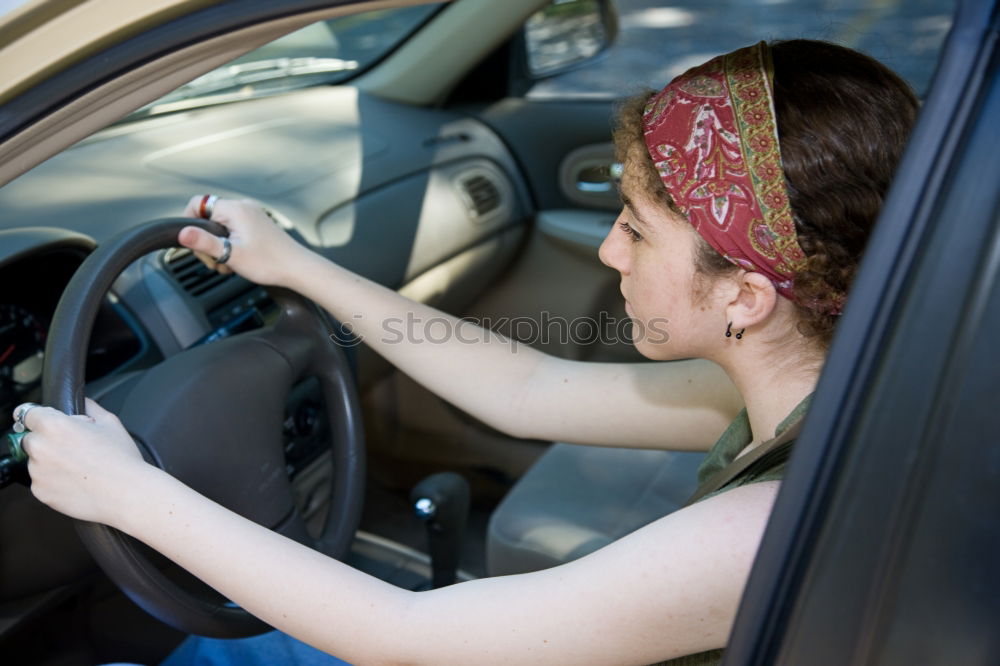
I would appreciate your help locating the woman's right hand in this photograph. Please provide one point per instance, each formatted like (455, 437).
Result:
(261, 250)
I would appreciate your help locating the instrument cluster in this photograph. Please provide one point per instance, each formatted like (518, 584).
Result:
(30, 289)
(22, 350)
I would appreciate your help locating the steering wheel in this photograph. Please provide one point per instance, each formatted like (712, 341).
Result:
(212, 417)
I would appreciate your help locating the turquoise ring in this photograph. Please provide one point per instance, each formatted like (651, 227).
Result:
(14, 448)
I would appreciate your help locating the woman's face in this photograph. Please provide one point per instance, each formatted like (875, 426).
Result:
(653, 249)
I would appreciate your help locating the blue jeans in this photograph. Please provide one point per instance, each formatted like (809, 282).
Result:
(271, 649)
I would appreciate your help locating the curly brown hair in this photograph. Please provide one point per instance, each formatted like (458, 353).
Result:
(843, 120)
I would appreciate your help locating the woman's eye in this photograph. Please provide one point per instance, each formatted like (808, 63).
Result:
(632, 233)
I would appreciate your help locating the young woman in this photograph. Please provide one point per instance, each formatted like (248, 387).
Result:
(747, 253)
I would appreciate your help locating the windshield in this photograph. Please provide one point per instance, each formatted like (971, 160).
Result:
(326, 52)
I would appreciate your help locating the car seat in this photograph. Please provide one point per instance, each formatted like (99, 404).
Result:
(577, 499)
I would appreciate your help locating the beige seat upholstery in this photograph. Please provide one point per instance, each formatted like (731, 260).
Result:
(576, 499)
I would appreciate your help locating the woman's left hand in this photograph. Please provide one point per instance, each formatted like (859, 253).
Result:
(83, 466)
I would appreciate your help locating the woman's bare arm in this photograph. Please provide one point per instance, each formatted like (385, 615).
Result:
(520, 390)
(507, 385)
(671, 588)
(681, 405)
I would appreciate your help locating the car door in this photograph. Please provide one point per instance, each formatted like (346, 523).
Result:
(884, 538)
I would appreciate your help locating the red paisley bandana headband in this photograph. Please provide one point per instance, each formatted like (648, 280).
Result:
(714, 140)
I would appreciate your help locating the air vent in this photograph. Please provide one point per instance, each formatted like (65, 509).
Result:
(483, 194)
(192, 275)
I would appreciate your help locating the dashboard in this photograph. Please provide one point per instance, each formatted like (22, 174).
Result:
(428, 201)
(386, 190)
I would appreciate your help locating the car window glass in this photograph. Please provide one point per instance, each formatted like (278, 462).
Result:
(8, 6)
(326, 52)
(657, 41)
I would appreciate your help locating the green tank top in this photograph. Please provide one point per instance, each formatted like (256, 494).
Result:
(736, 438)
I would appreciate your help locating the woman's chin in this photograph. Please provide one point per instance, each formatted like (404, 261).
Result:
(655, 351)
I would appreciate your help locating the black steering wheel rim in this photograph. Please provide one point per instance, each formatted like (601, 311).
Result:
(119, 555)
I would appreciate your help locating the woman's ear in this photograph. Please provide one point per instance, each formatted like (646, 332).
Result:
(754, 302)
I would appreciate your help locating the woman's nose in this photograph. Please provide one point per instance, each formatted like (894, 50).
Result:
(612, 250)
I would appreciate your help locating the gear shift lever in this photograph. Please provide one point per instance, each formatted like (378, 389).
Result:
(442, 502)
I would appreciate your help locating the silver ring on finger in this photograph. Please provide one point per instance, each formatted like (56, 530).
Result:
(22, 411)
(227, 250)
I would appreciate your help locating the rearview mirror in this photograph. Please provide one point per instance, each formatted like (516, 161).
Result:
(567, 33)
